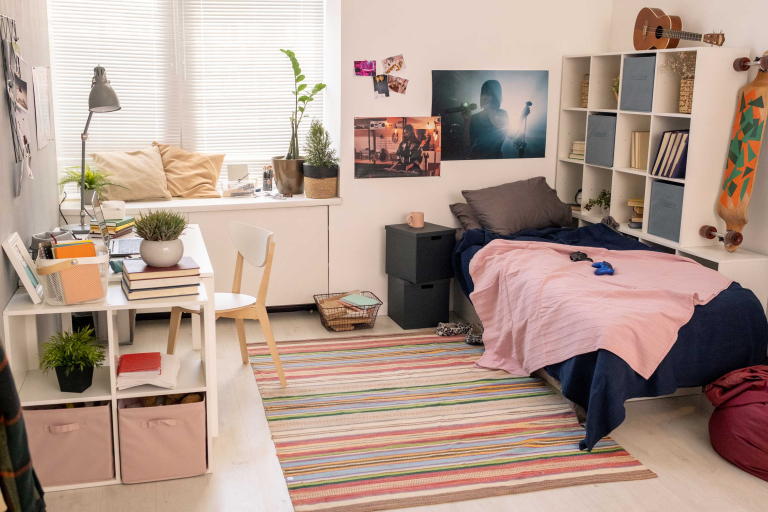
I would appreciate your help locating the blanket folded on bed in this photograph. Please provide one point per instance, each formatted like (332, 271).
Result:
(539, 308)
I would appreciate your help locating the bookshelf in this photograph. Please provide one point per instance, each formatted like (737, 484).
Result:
(714, 100)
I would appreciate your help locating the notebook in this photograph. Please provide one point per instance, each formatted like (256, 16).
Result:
(358, 300)
(158, 293)
(136, 270)
(80, 283)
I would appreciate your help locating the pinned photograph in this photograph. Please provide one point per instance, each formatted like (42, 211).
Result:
(491, 114)
(397, 147)
(20, 89)
(397, 84)
(22, 131)
(393, 64)
(380, 87)
(365, 67)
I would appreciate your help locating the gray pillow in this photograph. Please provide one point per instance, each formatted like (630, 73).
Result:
(512, 207)
(463, 212)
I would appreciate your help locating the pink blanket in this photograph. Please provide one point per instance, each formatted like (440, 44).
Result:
(540, 308)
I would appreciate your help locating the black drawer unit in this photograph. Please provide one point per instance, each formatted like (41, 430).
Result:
(420, 255)
(415, 306)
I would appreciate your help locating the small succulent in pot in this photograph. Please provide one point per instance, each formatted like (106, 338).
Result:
(160, 231)
(321, 166)
(73, 355)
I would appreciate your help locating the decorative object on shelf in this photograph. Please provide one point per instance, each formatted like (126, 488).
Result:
(615, 88)
(160, 232)
(73, 272)
(603, 200)
(93, 179)
(656, 30)
(577, 197)
(683, 64)
(418, 154)
(415, 219)
(585, 91)
(24, 266)
(289, 176)
(321, 166)
(267, 177)
(73, 355)
(577, 150)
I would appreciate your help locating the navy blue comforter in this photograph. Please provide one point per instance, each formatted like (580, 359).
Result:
(728, 333)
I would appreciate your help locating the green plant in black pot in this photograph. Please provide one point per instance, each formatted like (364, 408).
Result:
(321, 165)
(160, 231)
(73, 355)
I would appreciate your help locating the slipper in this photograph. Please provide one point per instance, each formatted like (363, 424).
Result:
(451, 329)
(475, 335)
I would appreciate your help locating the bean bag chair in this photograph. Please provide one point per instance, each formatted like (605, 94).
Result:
(738, 429)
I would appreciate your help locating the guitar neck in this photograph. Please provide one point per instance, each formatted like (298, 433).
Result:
(681, 34)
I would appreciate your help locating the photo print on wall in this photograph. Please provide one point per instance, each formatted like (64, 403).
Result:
(380, 87)
(397, 147)
(365, 67)
(395, 64)
(491, 114)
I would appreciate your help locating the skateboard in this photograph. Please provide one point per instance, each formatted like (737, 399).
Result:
(743, 153)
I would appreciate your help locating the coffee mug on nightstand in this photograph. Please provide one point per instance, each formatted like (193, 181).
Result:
(415, 219)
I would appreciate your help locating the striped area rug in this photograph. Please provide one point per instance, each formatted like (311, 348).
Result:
(383, 422)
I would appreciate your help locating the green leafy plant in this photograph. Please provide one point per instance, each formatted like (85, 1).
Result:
(161, 225)
(603, 200)
(301, 100)
(72, 351)
(615, 86)
(318, 149)
(94, 179)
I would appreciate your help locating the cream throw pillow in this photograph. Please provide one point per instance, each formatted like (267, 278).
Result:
(190, 174)
(140, 172)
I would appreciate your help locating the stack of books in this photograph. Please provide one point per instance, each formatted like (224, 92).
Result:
(638, 206)
(140, 281)
(115, 227)
(639, 150)
(577, 150)
(672, 156)
(151, 368)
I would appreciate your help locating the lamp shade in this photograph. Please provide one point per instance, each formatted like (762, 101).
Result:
(102, 97)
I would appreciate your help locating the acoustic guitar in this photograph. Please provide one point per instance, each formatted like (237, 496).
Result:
(655, 30)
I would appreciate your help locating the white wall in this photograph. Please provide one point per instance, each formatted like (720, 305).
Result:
(451, 34)
(743, 22)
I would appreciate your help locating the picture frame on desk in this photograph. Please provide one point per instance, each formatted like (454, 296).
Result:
(24, 266)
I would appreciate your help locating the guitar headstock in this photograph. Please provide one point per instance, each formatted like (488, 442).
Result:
(713, 38)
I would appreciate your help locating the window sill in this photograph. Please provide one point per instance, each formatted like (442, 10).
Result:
(72, 207)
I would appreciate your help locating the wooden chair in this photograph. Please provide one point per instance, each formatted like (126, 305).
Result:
(255, 246)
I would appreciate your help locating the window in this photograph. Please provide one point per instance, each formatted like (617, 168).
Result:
(206, 75)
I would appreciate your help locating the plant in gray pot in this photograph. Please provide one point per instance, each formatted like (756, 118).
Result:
(73, 355)
(160, 232)
(321, 166)
(289, 175)
(95, 181)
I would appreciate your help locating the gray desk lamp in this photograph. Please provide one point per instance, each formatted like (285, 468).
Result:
(101, 99)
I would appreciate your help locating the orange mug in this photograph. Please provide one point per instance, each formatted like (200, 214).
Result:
(415, 219)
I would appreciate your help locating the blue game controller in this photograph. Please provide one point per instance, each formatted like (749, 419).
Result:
(603, 268)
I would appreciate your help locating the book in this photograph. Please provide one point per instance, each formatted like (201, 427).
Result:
(158, 293)
(636, 202)
(636, 225)
(358, 300)
(638, 210)
(671, 152)
(141, 362)
(636, 219)
(166, 282)
(665, 161)
(74, 249)
(574, 156)
(115, 223)
(639, 150)
(166, 378)
(678, 166)
(136, 269)
(662, 151)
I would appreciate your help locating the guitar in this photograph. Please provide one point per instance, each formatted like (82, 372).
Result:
(656, 30)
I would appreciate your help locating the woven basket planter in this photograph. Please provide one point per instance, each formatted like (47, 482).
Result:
(585, 91)
(686, 95)
(320, 182)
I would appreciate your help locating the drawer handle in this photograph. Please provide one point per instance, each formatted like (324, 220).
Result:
(62, 429)
(437, 237)
(427, 286)
(156, 423)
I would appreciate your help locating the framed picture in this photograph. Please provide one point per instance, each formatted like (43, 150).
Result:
(24, 266)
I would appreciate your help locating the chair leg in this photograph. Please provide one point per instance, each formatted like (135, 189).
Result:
(240, 324)
(267, 328)
(173, 331)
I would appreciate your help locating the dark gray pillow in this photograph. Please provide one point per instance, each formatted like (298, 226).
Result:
(512, 207)
(463, 212)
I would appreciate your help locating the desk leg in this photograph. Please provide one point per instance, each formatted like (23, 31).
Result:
(208, 355)
(196, 333)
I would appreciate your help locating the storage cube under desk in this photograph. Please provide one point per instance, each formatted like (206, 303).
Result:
(415, 306)
(419, 255)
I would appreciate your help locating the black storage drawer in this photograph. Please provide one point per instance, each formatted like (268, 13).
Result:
(420, 255)
(415, 306)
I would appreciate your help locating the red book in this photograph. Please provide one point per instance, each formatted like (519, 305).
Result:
(143, 362)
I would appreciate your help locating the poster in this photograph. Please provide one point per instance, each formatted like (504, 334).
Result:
(43, 102)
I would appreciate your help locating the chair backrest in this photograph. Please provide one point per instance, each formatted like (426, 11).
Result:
(251, 242)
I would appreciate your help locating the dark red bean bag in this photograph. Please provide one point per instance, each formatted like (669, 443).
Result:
(738, 428)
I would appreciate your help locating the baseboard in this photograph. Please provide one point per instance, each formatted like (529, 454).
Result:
(166, 315)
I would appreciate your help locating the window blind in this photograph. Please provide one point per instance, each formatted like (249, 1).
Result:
(206, 75)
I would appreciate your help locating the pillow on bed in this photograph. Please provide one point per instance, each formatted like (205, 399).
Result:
(512, 207)
(463, 212)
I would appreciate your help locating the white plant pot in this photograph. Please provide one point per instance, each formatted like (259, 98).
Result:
(161, 254)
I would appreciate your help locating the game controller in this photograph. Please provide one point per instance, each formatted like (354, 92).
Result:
(580, 256)
(603, 268)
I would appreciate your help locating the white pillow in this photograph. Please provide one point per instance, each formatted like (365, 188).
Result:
(140, 173)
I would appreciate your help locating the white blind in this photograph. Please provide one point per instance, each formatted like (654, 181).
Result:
(203, 74)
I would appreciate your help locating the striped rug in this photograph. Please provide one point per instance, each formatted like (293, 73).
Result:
(383, 422)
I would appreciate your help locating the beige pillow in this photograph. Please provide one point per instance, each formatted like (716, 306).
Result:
(190, 174)
(139, 172)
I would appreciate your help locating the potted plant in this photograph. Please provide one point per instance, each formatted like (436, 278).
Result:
(615, 88)
(95, 181)
(321, 165)
(603, 200)
(160, 232)
(289, 177)
(684, 64)
(73, 355)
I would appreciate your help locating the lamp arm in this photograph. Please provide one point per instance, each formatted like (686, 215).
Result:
(83, 137)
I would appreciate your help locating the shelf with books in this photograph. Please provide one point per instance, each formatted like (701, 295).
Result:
(626, 187)
(632, 142)
(573, 128)
(191, 379)
(667, 157)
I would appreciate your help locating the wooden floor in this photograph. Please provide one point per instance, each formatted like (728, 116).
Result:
(668, 435)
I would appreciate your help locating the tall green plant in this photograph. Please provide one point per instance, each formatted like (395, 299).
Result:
(71, 351)
(301, 99)
(317, 150)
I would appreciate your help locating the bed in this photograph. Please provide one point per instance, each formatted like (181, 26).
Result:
(729, 332)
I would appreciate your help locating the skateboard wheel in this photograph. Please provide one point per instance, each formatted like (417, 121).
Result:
(733, 238)
(764, 63)
(708, 232)
(741, 64)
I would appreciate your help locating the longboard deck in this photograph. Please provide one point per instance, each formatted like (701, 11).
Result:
(743, 153)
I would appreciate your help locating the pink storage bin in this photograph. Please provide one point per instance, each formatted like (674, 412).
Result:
(71, 446)
(160, 443)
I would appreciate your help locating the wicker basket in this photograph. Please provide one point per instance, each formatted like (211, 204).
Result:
(686, 95)
(75, 280)
(336, 317)
(585, 91)
(320, 188)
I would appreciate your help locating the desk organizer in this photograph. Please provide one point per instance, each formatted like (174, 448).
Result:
(75, 280)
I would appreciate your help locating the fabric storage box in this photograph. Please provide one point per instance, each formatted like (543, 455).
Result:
(637, 83)
(414, 306)
(601, 134)
(160, 443)
(666, 210)
(419, 255)
(71, 446)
